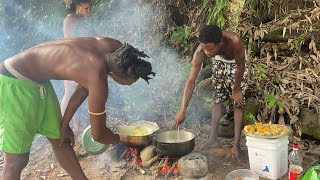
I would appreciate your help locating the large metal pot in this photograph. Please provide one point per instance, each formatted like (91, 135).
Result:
(126, 137)
(168, 143)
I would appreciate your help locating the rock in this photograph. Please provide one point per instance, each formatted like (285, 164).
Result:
(203, 99)
(226, 128)
(310, 122)
(204, 74)
(193, 165)
(148, 153)
(209, 176)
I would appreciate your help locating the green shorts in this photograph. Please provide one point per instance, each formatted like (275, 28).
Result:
(26, 109)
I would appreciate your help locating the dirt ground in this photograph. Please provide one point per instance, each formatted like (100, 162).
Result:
(43, 165)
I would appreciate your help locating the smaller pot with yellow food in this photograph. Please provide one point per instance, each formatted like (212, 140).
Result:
(267, 130)
(137, 134)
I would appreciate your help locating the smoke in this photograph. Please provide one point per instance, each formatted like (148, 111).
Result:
(141, 24)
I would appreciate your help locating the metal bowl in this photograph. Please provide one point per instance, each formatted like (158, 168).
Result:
(270, 137)
(245, 174)
(168, 143)
(91, 146)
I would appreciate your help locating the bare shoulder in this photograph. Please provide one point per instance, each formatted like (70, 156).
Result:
(110, 44)
(71, 18)
(235, 39)
(199, 56)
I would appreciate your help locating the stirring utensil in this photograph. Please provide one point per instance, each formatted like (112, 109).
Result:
(178, 133)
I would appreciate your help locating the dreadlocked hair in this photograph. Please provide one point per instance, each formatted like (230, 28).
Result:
(129, 62)
(210, 34)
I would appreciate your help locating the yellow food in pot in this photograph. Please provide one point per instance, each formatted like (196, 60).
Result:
(266, 129)
(139, 132)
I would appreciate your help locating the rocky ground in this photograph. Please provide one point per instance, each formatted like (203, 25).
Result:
(43, 165)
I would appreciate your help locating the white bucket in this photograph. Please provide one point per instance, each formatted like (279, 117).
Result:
(268, 157)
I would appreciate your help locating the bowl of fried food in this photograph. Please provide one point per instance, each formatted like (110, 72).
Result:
(242, 174)
(267, 130)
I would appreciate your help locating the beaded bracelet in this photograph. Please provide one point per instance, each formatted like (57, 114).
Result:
(96, 114)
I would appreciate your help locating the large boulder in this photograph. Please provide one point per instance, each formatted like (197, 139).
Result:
(203, 98)
(310, 122)
(193, 165)
(204, 73)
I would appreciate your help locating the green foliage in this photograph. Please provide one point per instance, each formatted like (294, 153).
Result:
(216, 10)
(278, 80)
(252, 117)
(271, 101)
(180, 38)
(260, 72)
(299, 41)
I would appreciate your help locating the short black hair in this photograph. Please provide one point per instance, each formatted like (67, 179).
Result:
(72, 8)
(210, 34)
(129, 62)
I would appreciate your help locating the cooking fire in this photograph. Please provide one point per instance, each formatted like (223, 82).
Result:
(149, 162)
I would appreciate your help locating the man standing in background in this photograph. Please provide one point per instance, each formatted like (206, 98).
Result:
(76, 24)
(228, 80)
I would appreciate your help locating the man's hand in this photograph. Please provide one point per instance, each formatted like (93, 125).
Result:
(237, 98)
(66, 135)
(116, 139)
(180, 118)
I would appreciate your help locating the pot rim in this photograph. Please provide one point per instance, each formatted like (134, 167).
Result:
(180, 142)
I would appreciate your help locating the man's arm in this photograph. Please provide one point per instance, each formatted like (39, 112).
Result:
(240, 62)
(239, 53)
(98, 94)
(77, 98)
(197, 60)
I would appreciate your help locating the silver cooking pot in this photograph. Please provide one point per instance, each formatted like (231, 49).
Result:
(168, 143)
(126, 137)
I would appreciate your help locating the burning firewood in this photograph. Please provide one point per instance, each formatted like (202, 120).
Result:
(158, 168)
(172, 168)
(151, 161)
(162, 163)
(138, 168)
(125, 154)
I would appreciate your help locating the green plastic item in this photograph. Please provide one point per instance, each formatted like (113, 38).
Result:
(90, 146)
(312, 173)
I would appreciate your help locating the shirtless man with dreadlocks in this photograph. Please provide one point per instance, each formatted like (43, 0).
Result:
(29, 105)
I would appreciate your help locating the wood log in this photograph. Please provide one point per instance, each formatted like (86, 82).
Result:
(136, 166)
(139, 169)
(151, 161)
(171, 169)
(159, 166)
(124, 154)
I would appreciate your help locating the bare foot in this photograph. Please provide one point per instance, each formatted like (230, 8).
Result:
(235, 154)
(207, 145)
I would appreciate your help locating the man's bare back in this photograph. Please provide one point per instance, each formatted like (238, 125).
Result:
(67, 59)
(89, 62)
